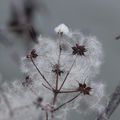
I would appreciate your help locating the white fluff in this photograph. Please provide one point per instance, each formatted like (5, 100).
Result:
(84, 70)
(62, 28)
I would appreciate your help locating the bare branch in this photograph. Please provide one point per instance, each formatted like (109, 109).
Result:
(113, 104)
(57, 77)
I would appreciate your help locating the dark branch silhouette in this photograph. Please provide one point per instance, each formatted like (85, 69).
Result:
(113, 104)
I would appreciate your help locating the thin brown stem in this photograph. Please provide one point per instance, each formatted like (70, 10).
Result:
(57, 76)
(47, 87)
(66, 102)
(67, 74)
(68, 91)
(55, 97)
(40, 73)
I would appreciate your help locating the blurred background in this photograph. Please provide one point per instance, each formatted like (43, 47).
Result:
(97, 17)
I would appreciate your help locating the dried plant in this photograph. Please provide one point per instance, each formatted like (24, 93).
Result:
(60, 76)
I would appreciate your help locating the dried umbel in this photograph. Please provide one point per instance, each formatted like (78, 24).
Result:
(60, 74)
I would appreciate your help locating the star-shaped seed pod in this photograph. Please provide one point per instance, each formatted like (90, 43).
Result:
(79, 50)
(56, 69)
(83, 88)
(33, 54)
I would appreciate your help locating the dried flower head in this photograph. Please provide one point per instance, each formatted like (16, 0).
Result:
(60, 92)
(83, 88)
(33, 54)
(56, 69)
(79, 50)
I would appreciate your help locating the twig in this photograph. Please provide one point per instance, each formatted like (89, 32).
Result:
(113, 104)
(66, 102)
(47, 87)
(67, 74)
(55, 97)
(69, 91)
(57, 76)
(40, 73)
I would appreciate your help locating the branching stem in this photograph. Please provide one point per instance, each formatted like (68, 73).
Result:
(68, 74)
(58, 65)
(47, 87)
(66, 102)
(40, 72)
(58, 68)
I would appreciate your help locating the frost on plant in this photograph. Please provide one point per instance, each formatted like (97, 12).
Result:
(60, 76)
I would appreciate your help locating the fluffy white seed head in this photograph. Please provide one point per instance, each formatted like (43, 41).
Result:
(81, 67)
(62, 29)
(84, 69)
